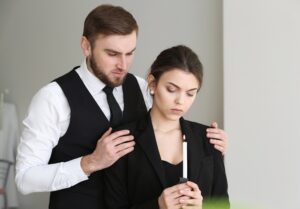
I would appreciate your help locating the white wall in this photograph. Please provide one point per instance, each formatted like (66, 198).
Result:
(262, 100)
(39, 40)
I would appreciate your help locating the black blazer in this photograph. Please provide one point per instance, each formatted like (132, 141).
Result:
(137, 179)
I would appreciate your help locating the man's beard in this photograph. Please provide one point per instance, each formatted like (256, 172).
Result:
(101, 76)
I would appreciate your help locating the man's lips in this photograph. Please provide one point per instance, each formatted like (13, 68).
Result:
(118, 73)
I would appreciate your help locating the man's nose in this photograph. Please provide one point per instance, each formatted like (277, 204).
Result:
(122, 63)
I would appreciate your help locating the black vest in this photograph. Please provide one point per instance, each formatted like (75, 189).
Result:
(87, 124)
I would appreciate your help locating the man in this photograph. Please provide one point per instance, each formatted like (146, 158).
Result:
(67, 139)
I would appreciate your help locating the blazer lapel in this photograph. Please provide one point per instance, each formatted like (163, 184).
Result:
(194, 154)
(147, 142)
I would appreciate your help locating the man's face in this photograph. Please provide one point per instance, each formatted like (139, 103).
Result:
(111, 56)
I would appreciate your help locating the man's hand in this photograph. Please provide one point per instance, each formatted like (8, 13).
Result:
(217, 137)
(110, 147)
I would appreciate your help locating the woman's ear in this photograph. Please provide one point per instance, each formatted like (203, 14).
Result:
(151, 83)
(85, 46)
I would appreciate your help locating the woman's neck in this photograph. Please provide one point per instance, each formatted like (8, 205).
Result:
(168, 137)
(163, 124)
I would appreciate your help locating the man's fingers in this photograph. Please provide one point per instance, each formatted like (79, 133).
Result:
(217, 134)
(119, 133)
(114, 135)
(214, 131)
(107, 132)
(220, 148)
(214, 125)
(122, 139)
(219, 145)
(124, 146)
(217, 142)
(125, 151)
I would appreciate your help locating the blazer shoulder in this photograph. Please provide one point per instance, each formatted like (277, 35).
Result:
(199, 133)
(135, 127)
(197, 127)
(132, 127)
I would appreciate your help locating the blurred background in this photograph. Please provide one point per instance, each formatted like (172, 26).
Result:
(250, 51)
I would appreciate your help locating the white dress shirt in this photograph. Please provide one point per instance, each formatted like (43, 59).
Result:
(47, 120)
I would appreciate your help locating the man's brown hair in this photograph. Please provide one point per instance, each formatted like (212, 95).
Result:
(108, 20)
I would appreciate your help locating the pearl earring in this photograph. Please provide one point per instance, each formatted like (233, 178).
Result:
(151, 92)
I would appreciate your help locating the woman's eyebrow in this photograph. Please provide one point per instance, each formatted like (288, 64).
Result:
(173, 84)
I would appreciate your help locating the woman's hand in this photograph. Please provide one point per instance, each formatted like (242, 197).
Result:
(218, 138)
(185, 195)
(192, 198)
(170, 197)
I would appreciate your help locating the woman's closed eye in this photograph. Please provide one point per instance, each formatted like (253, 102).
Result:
(171, 89)
(191, 93)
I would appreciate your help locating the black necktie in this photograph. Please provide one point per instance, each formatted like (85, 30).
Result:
(115, 110)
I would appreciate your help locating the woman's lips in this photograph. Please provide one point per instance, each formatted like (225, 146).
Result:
(177, 111)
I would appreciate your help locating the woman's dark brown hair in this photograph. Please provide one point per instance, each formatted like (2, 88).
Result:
(180, 57)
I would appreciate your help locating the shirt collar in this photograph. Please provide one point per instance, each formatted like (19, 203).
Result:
(93, 84)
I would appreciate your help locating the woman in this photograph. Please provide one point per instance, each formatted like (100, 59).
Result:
(149, 176)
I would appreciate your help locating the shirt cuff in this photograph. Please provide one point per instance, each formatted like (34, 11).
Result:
(74, 168)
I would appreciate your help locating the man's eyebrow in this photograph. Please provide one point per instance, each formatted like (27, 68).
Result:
(131, 51)
(117, 52)
(111, 51)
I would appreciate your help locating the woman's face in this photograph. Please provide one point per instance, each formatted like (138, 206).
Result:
(174, 93)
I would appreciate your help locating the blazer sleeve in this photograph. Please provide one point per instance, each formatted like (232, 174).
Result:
(220, 186)
(116, 188)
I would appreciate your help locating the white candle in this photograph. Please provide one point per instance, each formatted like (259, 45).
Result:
(184, 153)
